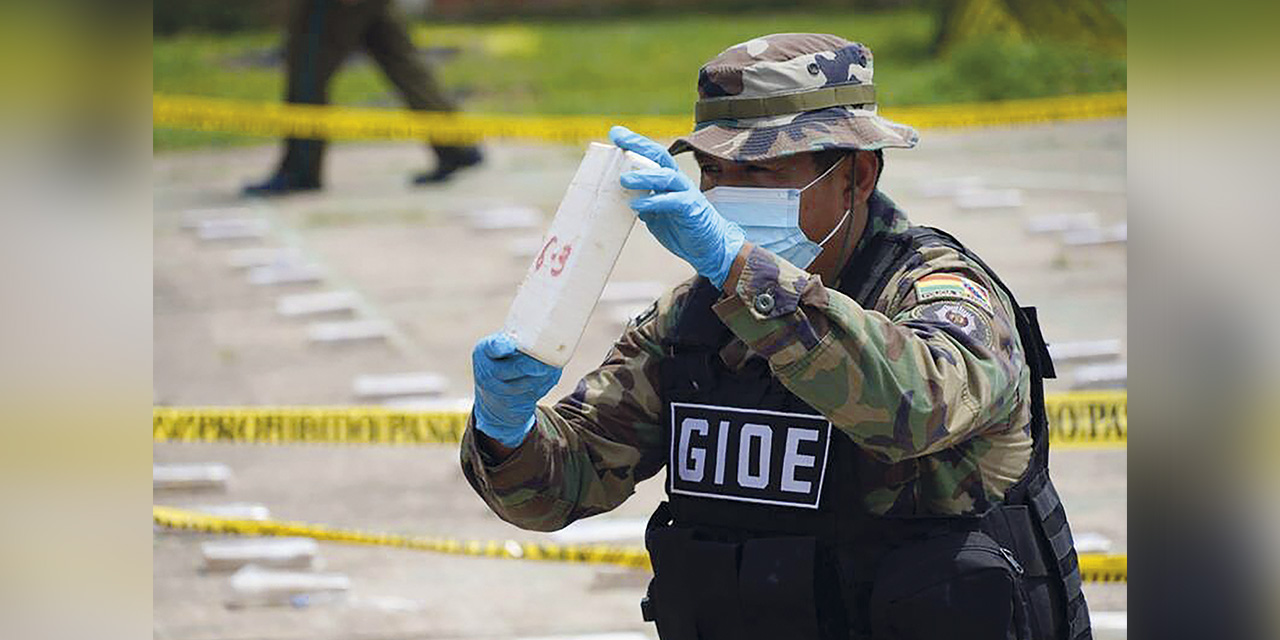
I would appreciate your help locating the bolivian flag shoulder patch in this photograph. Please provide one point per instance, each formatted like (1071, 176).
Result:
(949, 286)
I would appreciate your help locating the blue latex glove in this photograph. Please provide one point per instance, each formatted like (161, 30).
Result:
(508, 386)
(677, 213)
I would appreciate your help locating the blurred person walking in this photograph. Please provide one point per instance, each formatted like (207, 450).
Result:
(321, 35)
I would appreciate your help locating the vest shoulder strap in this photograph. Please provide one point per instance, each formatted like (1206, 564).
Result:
(697, 327)
(868, 273)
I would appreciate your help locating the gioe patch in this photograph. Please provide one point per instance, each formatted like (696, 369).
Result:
(748, 455)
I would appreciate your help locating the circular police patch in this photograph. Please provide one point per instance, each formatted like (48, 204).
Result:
(958, 319)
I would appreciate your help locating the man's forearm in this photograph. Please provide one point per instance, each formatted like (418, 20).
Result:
(583, 454)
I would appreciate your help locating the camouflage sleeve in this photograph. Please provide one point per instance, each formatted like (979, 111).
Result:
(942, 364)
(586, 452)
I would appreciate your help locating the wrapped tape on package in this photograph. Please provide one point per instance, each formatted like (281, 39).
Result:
(578, 252)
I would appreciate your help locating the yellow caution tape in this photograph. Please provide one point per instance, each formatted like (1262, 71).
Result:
(1093, 567)
(1009, 112)
(1104, 567)
(632, 557)
(354, 123)
(1088, 419)
(317, 425)
(1080, 419)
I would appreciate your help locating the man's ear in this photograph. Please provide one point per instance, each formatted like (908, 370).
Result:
(866, 169)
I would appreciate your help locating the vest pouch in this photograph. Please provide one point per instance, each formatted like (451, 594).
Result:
(666, 604)
(694, 591)
(959, 585)
(776, 583)
(712, 587)
(1013, 528)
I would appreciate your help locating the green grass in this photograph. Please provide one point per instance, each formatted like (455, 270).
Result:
(635, 66)
(992, 69)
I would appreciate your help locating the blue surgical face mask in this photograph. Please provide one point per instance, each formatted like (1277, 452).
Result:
(770, 218)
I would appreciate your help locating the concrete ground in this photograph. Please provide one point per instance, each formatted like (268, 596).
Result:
(415, 262)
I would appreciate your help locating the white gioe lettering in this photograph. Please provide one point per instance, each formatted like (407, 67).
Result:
(754, 432)
(792, 458)
(722, 439)
(692, 473)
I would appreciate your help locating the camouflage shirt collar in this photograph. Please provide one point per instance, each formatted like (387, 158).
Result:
(883, 218)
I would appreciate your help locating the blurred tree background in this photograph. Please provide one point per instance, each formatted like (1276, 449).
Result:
(224, 16)
(211, 16)
(1083, 22)
(632, 57)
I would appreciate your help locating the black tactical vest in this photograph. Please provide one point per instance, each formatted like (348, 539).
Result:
(763, 534)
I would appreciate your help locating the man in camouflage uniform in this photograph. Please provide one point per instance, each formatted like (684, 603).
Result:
(915, 356)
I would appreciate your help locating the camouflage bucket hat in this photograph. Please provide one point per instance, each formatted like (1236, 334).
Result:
(790, 93)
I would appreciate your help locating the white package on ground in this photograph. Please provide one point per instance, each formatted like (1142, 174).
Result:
(279, 553)
(197, 476)
(254, 585)
(236, 510)
(418, 383)
(578, 252)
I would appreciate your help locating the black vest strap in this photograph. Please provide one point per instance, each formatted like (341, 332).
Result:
(868, 273)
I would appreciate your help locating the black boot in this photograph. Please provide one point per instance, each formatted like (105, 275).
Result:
(278, 185)
(449, 160)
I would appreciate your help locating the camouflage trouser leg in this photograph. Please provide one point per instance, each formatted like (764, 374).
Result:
(388, 42)
(321, 35)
